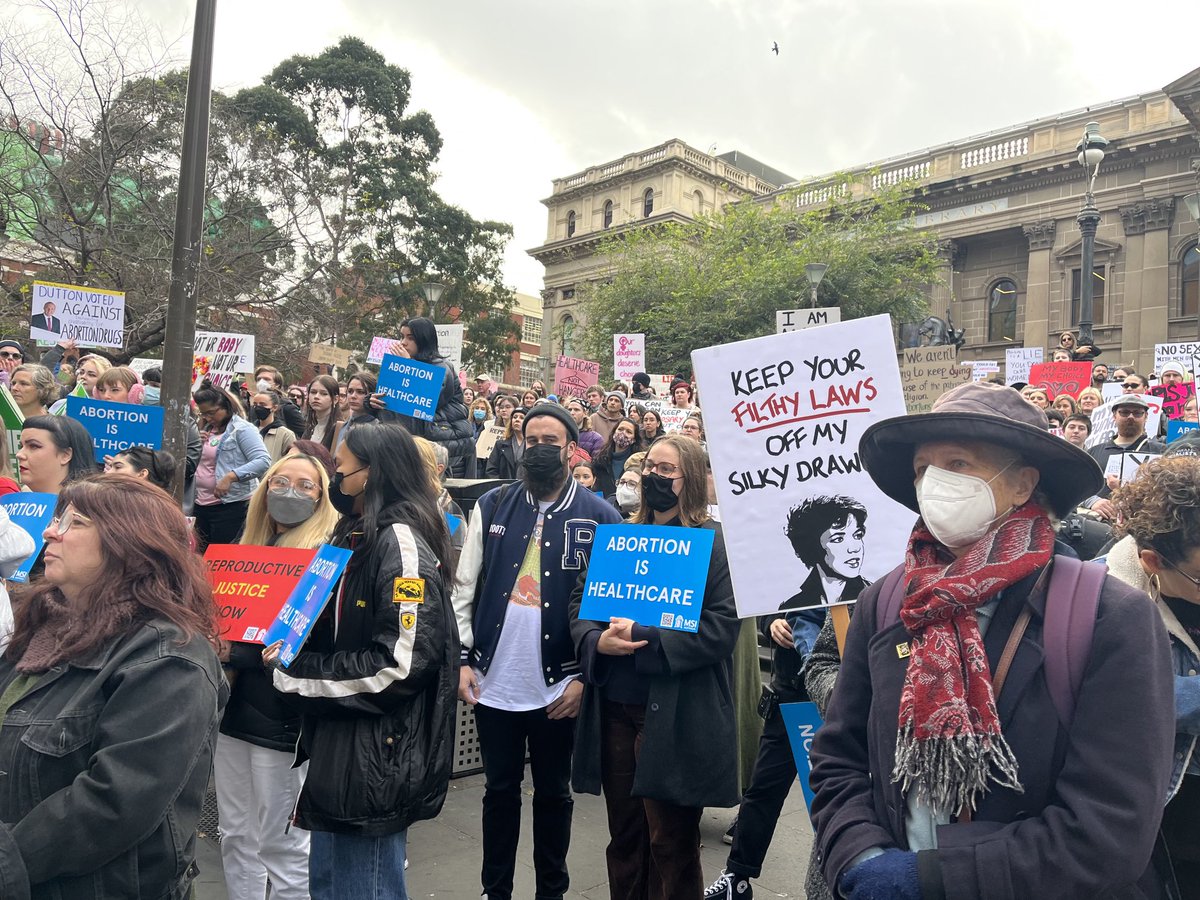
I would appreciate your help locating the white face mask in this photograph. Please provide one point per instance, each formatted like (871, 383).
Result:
(627, 497)
(957, 509)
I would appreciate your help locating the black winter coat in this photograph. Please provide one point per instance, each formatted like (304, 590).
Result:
(503, 461)
(257, 713)
(104, 766)
(379, 697)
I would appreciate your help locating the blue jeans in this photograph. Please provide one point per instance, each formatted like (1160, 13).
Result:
(353, 867)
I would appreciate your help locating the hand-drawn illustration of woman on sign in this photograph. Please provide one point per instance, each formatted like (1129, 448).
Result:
(827, 534)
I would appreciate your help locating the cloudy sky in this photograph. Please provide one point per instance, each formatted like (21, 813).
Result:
(524, 91)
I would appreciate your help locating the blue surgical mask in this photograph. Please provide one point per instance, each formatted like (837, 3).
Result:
(480, 414)
(151, 395)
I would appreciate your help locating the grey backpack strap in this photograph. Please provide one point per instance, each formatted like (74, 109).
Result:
(1071, 603)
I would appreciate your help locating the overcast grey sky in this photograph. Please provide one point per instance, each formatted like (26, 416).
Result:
(524, 91)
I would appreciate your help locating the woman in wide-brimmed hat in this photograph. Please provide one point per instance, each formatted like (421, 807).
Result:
(921, 750)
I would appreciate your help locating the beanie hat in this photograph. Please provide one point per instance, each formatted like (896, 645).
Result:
(642, 378)
(552, 409)
(16, 345)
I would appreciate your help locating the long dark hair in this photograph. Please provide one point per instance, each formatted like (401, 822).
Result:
(67, 434)
(210, 393)
(398, 490)
(424, 335)
(331, 385)
(149, 571)
(159, 465)
(604, 455)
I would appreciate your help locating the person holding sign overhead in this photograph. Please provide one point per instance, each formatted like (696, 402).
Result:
(656, 727)
(377, 677)
(257, 786)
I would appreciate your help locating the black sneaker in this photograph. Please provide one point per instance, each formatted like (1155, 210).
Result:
(727, 837)
(729, 887)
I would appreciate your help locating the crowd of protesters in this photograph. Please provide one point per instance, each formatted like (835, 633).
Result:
(974, 745)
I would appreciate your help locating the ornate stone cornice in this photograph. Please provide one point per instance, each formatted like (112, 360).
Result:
(1150, 214)
(1040, 234)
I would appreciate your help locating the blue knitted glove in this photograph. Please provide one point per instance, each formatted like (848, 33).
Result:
(890, 876)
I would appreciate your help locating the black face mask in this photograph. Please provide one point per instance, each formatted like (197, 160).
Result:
(543, 469)
(262, 413)
(658, 492)
(343, 503)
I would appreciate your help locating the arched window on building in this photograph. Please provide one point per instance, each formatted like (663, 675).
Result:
(1002, 311)
(647, 203)
(571, 223)
(1189, 283)
(698, 200)
(607, 213)
(568, 335)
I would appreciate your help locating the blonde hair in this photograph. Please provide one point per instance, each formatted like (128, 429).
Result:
(1092, 392)
(260, 527)
(102, 364)
(429, 455)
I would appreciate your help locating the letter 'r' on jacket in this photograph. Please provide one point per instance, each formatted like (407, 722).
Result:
(489, 565)
(1084, 825)
(378, 693)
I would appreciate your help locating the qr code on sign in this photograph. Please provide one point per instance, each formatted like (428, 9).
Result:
(667, 620)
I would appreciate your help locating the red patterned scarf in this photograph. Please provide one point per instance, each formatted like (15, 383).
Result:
(950, 744)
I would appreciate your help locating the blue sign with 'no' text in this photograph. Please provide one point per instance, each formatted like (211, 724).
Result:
(117, 426)
(306, 602)
(801, 721)
(33, 513)
(1177, 428)
(411, 388)
(653, 574)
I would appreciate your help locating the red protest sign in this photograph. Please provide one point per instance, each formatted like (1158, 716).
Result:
(572, 377)
(251, 584)
(1174, 397)
(1061, 377)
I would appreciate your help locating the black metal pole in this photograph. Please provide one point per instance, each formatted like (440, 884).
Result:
(1088, 219)
(185, 259)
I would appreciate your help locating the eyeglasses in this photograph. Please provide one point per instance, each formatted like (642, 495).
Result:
(282, 483)
(10, 356)
(664, 469)
(62, 524)
(629, 483)
(1131, 386)
(1128, 413)
(1195, 581)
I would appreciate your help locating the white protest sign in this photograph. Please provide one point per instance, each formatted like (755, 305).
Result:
(671, 416)
(629, 355)
(1180, 352)
(89, 316)
(140, 364)
(983, 368)
(1111, 390)
(661, 385)
(1128, 464)
(221, 355)
(1104, 423)
(1017, 362)
(380, 347)
(797, 319)
(783, 416)
(450, 343)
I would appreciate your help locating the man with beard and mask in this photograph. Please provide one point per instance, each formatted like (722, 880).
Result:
(525, 548)
(992, 688)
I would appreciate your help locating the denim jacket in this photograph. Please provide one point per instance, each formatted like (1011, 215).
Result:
(242, 451)
(104, 766)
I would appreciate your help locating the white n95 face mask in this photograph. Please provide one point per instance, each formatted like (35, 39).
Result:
(957, 509)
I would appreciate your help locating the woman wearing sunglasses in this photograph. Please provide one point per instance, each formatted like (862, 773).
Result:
(1159, 515)
(256, 784)
(656, 728)
(110, 694)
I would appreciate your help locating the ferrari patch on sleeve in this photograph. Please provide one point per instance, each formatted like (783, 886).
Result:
(408, 590)
(408, 620)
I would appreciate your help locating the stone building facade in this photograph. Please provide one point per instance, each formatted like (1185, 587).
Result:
(1003, 206)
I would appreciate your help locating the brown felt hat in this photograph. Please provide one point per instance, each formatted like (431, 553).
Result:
(991, 413)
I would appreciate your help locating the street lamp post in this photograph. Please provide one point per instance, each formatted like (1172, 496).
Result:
(1192, 202)
(432, 292)
(1091, 154)
(815, 272)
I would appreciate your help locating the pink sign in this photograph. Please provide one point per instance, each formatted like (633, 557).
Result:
(629, 355)
(572, 377)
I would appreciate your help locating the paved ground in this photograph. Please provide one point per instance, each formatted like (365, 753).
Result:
(444, 855)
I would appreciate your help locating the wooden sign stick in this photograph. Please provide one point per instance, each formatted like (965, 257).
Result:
(841, 623)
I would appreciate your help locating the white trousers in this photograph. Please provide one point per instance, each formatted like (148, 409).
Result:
(256, 793)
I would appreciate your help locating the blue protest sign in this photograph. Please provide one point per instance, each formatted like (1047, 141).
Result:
(307, 599)
(653, 574)
(33, 513)
(117, 426)
(801, 721)
(1177, 428)
(454, 522)
(411, 387)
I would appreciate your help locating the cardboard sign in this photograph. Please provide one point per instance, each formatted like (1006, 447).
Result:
(572, 377)
(1017, 362)
(1104, 422)
(411, 388)
(801, 721)
(1177, 428)
(450, 344)
(294, 622)
(117, 426)
(32, 512)
(329, 355)
(784, 415)
(1174, 397)
(224, 355)
(89, 316)
(982, 369)
(653, 574)
(1061, 377)
(1180, 352)
(250, 585)
(629, 355)
(927, 373)
(797, 319)
(486, 442)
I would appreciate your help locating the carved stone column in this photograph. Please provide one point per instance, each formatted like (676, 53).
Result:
(1037, 289)
(1144, 313)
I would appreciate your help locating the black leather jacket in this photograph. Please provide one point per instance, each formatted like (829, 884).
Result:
(104, 765)
(450, 425)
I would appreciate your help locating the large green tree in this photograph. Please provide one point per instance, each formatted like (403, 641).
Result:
(722, 277)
